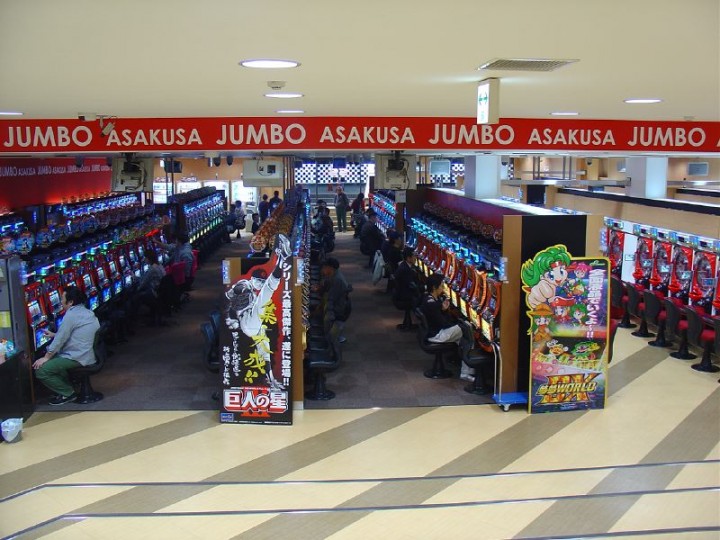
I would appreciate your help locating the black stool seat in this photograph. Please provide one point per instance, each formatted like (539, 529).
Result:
(406, 306)
(480, 360)
(87, 394)
(320, 362)
(438, 370)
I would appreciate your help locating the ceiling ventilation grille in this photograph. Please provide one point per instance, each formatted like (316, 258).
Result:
(524, 64)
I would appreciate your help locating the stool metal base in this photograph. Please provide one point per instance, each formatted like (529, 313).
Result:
(441, 374)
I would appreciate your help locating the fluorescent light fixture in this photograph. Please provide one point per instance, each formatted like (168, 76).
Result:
(283, 95)
(290, 111)
(10, 113)
(269, 64)
(563, 113)
(643, 100)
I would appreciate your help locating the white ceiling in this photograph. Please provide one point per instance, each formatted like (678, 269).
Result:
(179, 58)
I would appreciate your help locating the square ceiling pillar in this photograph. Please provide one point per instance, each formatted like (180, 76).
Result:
(648, 177)
(483, 174)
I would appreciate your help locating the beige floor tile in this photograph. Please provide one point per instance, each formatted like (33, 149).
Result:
(672, 510)
(271, 497)
(706, 475)
(222, 447)
(658, 401)
(159, 528)
(466, 523)
(67, 434)
(38, 506)
(416, 447)
(626, 345)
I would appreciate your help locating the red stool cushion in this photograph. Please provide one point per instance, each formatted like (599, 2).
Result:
(682, 325)
(707, 335)
(662, 315)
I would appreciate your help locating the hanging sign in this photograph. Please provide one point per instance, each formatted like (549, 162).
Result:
(356, 133)
(567, 301)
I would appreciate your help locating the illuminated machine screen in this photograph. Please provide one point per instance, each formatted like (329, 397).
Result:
(463, 307)
(106, 294)
(685, 274)
(59, 320)
(137, 273)
(54, 298)
(35, 311)
(132, 255)
(113, 267)
(94, 302)
(646, 263)
(141, 251)
(122, 261)
(707, 282)
(473, 316)
(100, 273)
(41, 338)
(486, 329)
(117, 286)
(491, 304)
(128, 280)
(453, 297)
(664, 268)
(145, 267)
(87, 281)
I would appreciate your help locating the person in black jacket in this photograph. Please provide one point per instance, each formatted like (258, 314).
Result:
(407, 280)
(371, 237)
(264, 208)
(441, 327)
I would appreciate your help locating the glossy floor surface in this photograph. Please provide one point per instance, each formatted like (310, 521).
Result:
(647, 465)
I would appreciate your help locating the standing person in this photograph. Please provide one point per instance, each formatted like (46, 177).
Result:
(342, 205)
(71, 347)
(255, 223)
(371, 237)
(239, 218)
(358, 210)
(275, 201)
(264, 208)
(441, 327)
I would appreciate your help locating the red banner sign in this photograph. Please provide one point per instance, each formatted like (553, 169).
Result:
(357, 133)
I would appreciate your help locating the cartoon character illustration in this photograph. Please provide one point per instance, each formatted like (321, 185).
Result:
(561, 309)
(576, 286)
(247, 299)
(541, 328)
(584, 354)
(544, 275)
(557, 353)
(579, 314)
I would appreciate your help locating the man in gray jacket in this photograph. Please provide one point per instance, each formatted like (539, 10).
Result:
(71, 347)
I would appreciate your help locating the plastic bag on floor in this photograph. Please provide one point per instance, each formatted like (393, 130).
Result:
(12, 429)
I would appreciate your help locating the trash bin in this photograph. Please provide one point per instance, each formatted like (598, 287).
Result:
(12, 429)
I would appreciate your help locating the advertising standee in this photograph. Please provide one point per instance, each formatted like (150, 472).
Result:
(256, 343)
(567, 301)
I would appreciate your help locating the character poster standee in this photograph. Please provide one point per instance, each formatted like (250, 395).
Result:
(256, 342)
(567, 302)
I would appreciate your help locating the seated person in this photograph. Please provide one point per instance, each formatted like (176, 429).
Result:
(371, 237)
(324, 225)
(255, 223)
(71, 347)
(336, 300)
(441, 327)
(391, 250)
(407, 279)
(149, 286)
(181, 251)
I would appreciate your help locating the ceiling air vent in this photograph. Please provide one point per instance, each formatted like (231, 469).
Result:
(525, 64)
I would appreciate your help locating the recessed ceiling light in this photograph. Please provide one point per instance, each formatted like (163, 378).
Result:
(269, 64)
(290, 111)
(561, 113)
(10, 113)
(283, 95)
(643, 100)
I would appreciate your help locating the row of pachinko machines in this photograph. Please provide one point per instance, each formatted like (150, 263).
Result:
(674, 263)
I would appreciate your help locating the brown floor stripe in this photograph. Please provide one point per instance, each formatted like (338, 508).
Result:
(491, 456)
(269, 467)
(692, 439)
(79, 460)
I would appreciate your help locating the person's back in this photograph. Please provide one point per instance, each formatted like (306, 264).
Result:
(275, 201)
(371, 237)
(407, 283)
(264, 208)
